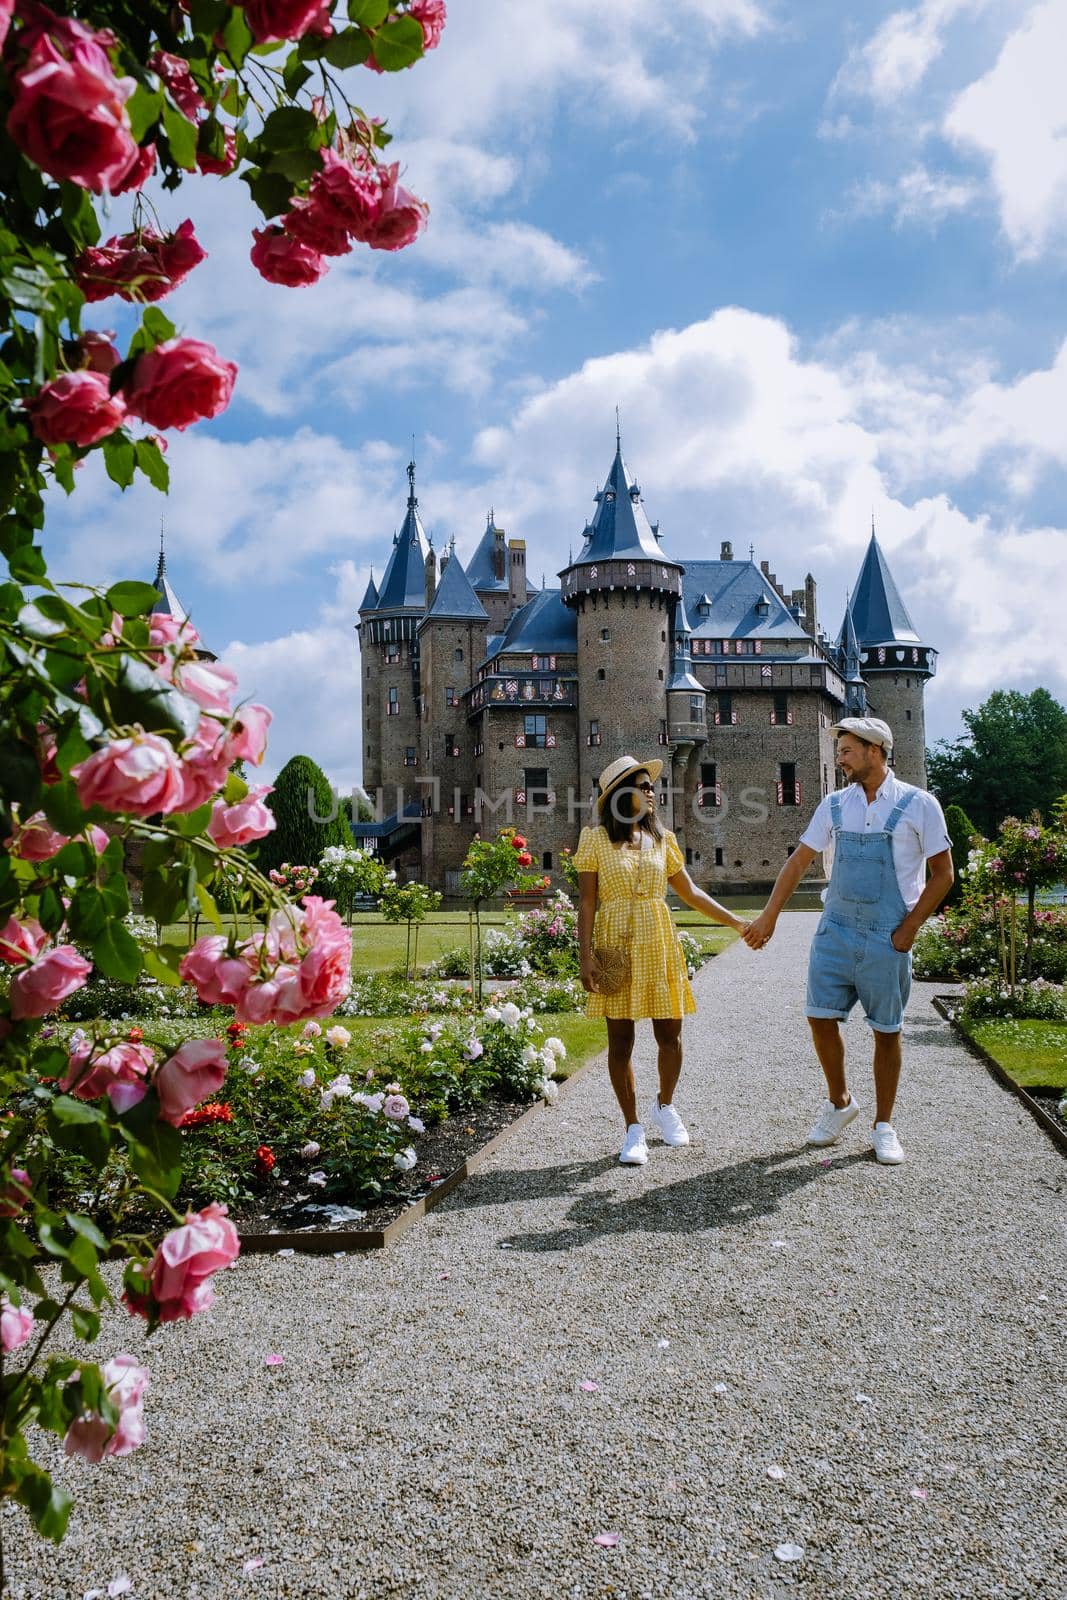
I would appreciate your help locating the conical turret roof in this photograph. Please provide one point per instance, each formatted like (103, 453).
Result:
(620, 526)
(879, 615)
(455, 597)
(370, 598)
(168, 604)
(404, 582)
(480, 568)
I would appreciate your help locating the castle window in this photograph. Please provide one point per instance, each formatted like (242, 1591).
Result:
(536, 732)
(605, 635)
(450, 696)
(725, 715)
(907, 714)
(663, 638)
(709, 794)
(815, 674)
(392, 654)
(393, 708)
(788, 784)
(781, 716)
(661, 672)
(726, 647)
(546, 860)
(601, 674)
(593, 736)
(451, 747)
(757, 645)
(410, 758)
(718, 855)
(696, 708)
(663, 738)
(535, 782)
(720, 675)
(544, 663)
(743, 647)
(457, 654)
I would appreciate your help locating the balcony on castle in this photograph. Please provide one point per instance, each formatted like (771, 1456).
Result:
(522, 689)
(918, 658)
(682, 731)
(596, 577)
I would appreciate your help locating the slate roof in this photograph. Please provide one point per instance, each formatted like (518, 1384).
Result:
(848, 646)
(480, 566)
(454, 597)
(543, 626)
(620, 526)
(404, 582)
(370, 599)
(734, 588)
(878, 612)
(168, 605)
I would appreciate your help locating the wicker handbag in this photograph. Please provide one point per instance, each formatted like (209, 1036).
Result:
(612, 962)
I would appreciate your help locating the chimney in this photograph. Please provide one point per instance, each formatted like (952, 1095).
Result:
(810, 618)
(726, 551)
(499, 554)
(516, 573)
(430, 569)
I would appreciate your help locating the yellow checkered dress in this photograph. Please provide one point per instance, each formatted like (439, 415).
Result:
(658, 984)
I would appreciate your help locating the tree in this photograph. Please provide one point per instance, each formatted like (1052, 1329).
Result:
(309, 815)
(489, 867)
(1012, 760)
(410, 903)
(961, 830)
(106, 715)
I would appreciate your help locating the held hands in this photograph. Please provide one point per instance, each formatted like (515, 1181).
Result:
(760, 931)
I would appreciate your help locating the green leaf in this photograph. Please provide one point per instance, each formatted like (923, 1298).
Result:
(295, 164)
(71, 748)
(295, 74)
(348, 49)
(208, 906)
(143, 108)
(48, 1506)
(82, 1256)
(192, 823)
(237, 38)
(62, 806)
(181, 135)
(116, 953)
(27, 564)
(86, 1323)
(368, 13)
(234, 789)
(163, 896)
(50, 910)
(88, 913)
(67, 1112)
(155, 1147)
(132, 599)
(398, 43)
(76, 1125)
(157, 325)
(271, 191)
(116, 894)
(162, 962)
(140, 695)
(79, 214)
(33, 621)
(87, 1229)
(290, 128)
(119, 458)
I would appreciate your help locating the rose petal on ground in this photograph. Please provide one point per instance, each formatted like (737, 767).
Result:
(253, 1563)
(123, 1584)
(274, 1361)
(589, 1387)
(779, 1244)
(919, 1494)
(789, 1551)
(777, 1473)
(864, 1400)
(663, 1344)
(607, 1541)
(825, 1163)
(287, 1252)
(719, 1388)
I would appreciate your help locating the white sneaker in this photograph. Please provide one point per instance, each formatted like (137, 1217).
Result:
(886, 1145)
(634, 1152)
(832, 1121)
(668, 1124)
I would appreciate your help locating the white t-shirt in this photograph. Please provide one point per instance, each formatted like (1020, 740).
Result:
(920, 832)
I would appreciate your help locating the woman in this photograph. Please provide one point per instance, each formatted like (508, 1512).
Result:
(626, 863)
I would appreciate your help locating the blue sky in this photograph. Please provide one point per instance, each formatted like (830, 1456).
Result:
(816, 258)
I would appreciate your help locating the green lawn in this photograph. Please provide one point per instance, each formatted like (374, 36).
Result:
(1033, 1053)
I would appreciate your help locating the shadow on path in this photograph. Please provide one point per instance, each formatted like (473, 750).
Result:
(724, 1198)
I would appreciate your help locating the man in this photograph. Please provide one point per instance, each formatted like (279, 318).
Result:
(884, 833)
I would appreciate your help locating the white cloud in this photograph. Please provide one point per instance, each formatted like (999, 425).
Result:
(1016, 117)
(916, 196)
(897, 57)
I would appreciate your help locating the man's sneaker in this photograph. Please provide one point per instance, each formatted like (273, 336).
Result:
(668, 1124)
(886, 1145)
(832, 1121)
(634, 1152)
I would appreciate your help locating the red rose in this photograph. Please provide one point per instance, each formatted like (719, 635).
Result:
(350, 195)
(286, 19)
(311, 222)
(264, 1159)
(518, 842)
(135, 1035)
(76, 408)
(69, 115)
(93, 351)
(144, 164)
(180, 83)
(139, 266)
(401, 217)
(280, 258)
(179, 383)
(525, 859)
(430, 15)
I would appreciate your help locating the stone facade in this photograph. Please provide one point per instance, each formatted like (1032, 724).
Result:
(488, 702)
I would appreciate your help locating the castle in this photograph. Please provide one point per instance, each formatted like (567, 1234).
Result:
(486, 700)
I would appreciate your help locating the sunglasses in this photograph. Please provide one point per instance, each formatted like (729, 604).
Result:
(646, 787)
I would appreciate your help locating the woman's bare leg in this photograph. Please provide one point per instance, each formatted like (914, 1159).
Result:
(620, 1066)
(668, 1032)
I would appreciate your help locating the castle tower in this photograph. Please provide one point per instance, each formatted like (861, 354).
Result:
(848, 655)
(623, 588)
(687, 718)
(389, 650)
(894, 662)
(497, 573)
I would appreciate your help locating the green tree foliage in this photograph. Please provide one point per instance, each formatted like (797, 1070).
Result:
(310, 816)
(961, 830)
(1012, 759)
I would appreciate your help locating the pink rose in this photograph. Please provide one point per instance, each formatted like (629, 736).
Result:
(179, 383)
(218, 978)
(97, 838)
(15, 1193)
(204, 764)
(270, 20)
(181, 86)
(209, 683)
(247, 738)
(142, 168)
(91, 1437)
(219, 166)
(177, 1283)
(401, 217)
(6, 9)
(75, 408)
(396, 1107)
(121, 1073)
(166, 629)
(348, 195)
(281, 259)
(16, 1325)
(95, 352)
(139, 266)
(193, 1073)
(21, 941)
(309, 221)
(140, 776)
(234, 826)
(38, 989)
(431, 16)
(36, 839)
(69, 115)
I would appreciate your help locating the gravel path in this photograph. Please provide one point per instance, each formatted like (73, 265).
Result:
(891, 1339)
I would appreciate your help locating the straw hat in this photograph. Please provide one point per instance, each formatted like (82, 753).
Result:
(618, 771)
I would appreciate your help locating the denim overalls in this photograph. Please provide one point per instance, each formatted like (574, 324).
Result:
(852, 954)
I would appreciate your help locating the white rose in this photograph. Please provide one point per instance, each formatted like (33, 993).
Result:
(338, 1036)
(306, 1079)
(557, 1047)
(404, 1160)
(317, 1178)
